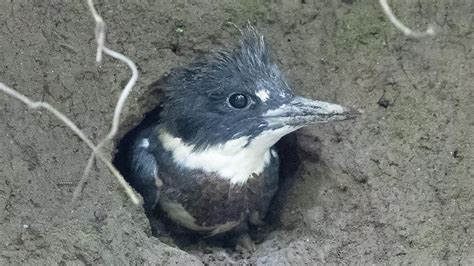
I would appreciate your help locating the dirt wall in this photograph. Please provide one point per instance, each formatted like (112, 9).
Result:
(394, 186)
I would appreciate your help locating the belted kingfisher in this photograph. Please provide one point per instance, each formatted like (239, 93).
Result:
(208, 159)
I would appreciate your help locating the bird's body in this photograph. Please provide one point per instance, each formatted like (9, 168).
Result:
(208, 159)
(200, 200)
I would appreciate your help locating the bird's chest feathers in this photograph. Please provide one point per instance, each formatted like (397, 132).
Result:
(236, 160)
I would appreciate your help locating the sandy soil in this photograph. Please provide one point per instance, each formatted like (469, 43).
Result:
(394, 186)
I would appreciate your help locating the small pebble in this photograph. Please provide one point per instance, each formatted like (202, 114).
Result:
(100, 215)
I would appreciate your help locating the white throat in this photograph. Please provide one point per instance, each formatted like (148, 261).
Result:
(233, 160)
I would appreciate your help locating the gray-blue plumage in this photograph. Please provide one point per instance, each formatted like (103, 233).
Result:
(206, 158)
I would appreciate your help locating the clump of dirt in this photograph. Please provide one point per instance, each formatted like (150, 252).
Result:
(393, 186)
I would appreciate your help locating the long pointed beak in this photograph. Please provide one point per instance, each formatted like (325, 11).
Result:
(302, 111)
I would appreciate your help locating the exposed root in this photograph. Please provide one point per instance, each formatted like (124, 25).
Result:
(96, 150)
(36, 105)
(100, 37)
(430, 31)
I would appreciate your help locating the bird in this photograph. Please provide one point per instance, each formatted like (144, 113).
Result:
(207, 160)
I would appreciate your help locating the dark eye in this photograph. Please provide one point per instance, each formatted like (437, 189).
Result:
(238, 100)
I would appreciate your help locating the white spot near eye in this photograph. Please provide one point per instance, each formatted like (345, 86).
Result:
(263, 94)
(144, 143)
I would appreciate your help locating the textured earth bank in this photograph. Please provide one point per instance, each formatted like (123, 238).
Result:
(394, 186)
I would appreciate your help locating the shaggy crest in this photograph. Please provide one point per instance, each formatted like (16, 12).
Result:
(206, 84)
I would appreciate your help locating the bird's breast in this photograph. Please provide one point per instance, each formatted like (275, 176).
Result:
(206, 203)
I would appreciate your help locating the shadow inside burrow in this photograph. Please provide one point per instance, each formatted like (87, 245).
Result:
(175, 235)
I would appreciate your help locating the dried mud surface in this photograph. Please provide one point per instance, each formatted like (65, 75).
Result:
(394, 186)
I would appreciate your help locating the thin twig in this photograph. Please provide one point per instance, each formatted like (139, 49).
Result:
(36, 105)
(100, 37)
(99, 30)
(85, 174)
(430, 31)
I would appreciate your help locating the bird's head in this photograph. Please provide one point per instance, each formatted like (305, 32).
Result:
(238, 95)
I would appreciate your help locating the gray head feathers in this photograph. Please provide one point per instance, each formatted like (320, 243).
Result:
(196, 97)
